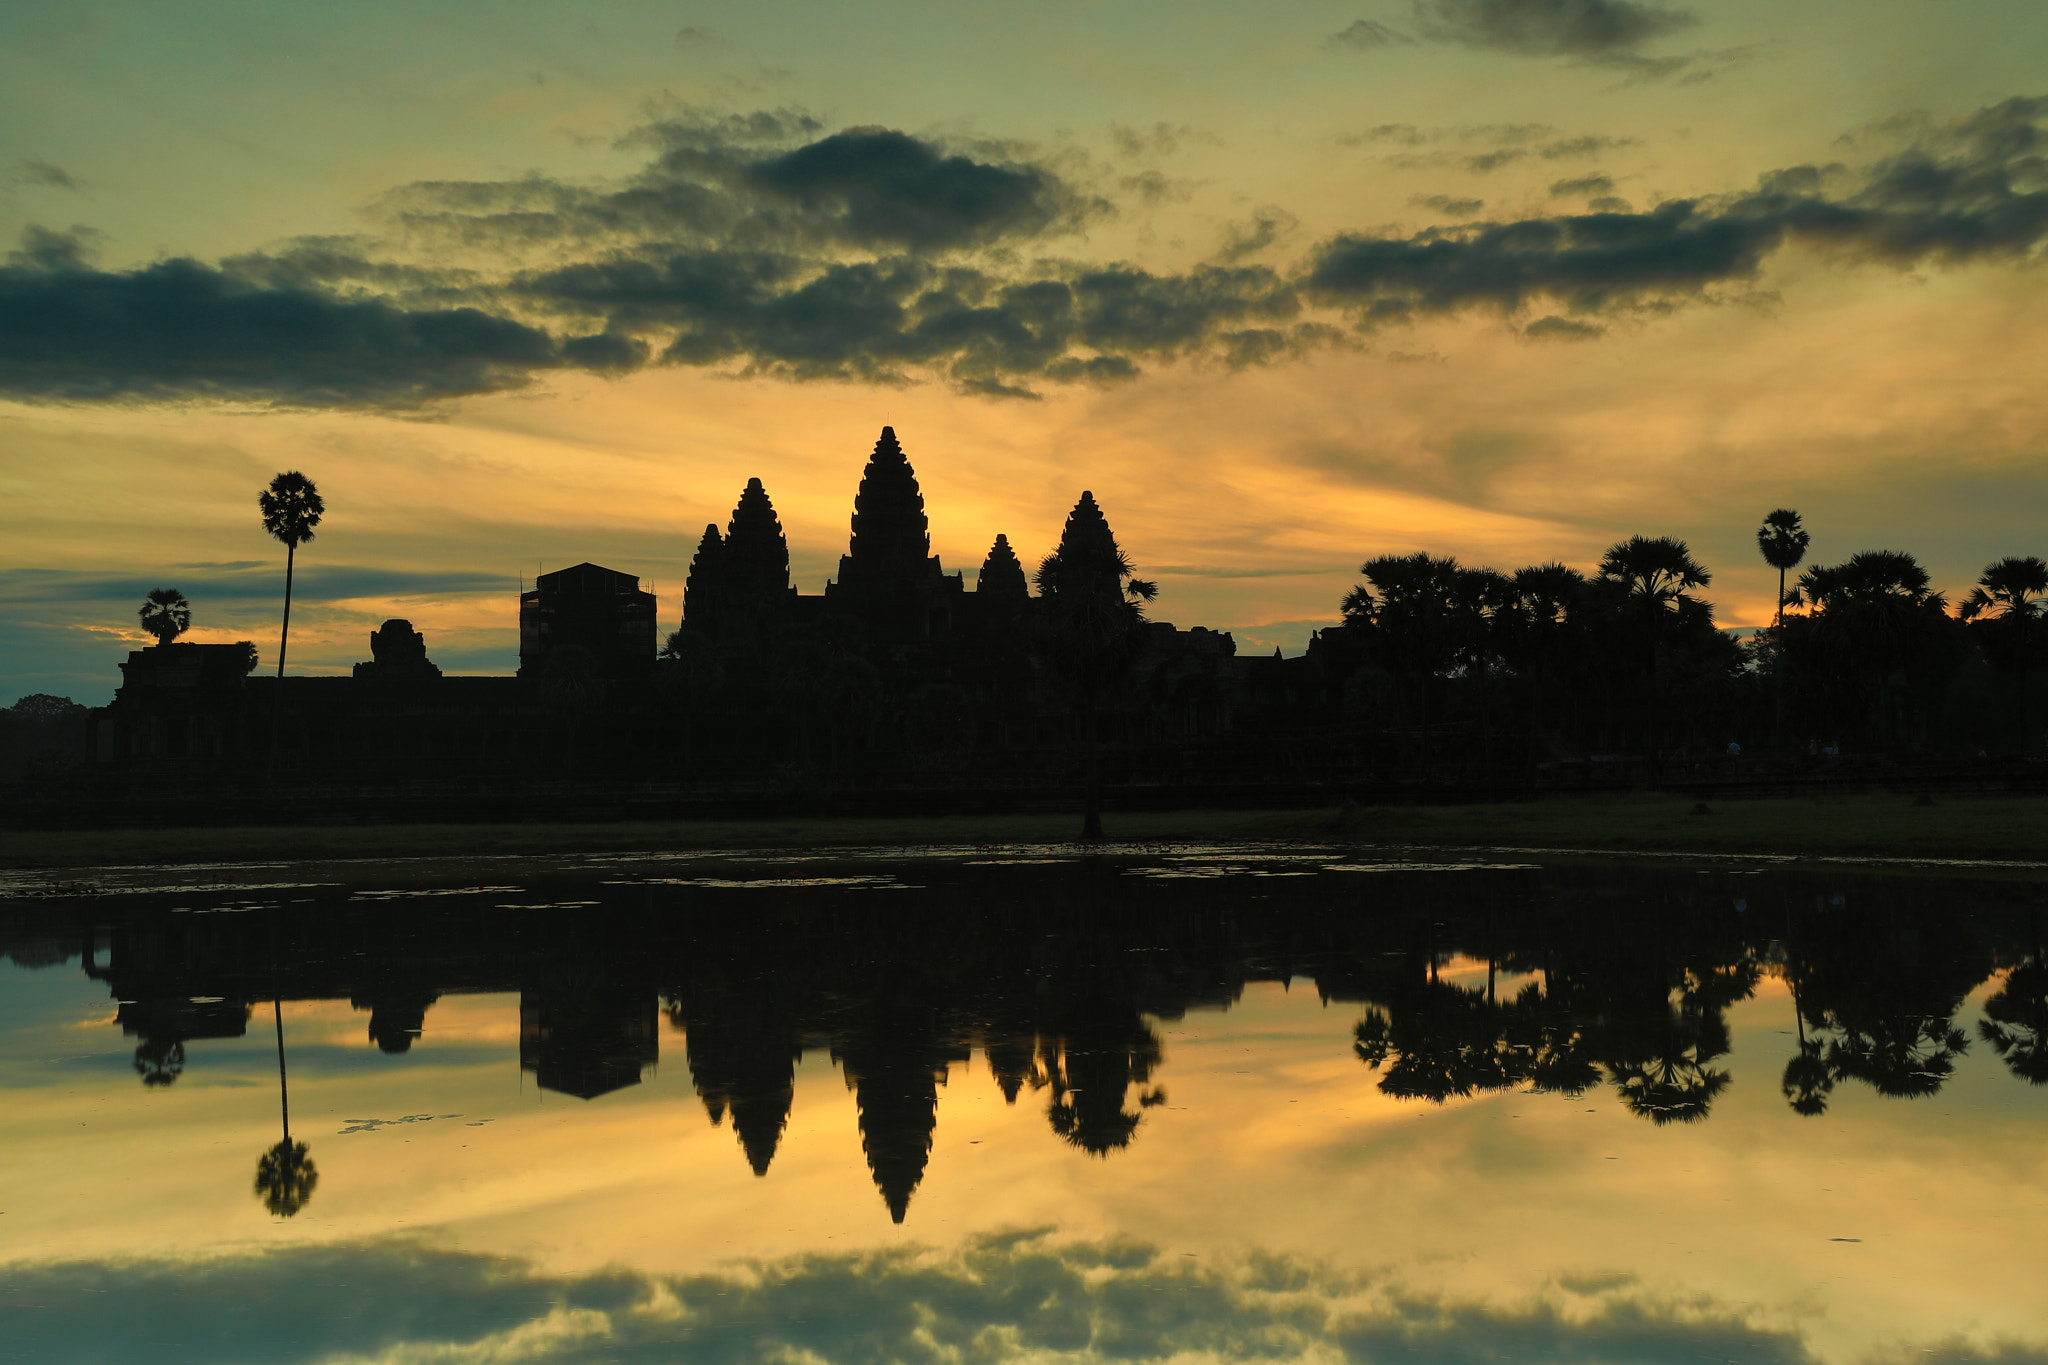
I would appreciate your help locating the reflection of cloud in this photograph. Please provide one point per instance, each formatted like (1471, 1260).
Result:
(1002, 1297)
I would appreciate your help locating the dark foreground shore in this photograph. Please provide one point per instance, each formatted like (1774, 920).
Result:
(1870, 825)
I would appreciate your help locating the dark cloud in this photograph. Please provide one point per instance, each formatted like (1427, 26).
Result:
(1581, 185)
(1268, 226)
(1155, 187)
(1549, 28)
(768, 180)
(46, 175)
(998, 1298)
(880, 188)
(1364, 35)
(1449, 205)
(179, 329)
(1554, 328)
(696, 35)
(1971, 190)
(877, 320)
(759, 245)
(1161, 139)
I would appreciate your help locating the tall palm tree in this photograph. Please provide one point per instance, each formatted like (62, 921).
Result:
(1782, 541)
(291, 508)
(166, 614)
(2007, 592)
(285, 1174)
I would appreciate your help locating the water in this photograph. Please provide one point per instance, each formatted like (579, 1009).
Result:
(1223, 1104)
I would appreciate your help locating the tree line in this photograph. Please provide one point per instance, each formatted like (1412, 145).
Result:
(1547, 661)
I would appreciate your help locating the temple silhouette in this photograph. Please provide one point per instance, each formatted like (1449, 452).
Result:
(897, 671)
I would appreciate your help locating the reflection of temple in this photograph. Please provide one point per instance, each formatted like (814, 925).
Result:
(1060, 976)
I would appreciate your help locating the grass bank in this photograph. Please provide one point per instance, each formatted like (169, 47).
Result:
(1864, 825)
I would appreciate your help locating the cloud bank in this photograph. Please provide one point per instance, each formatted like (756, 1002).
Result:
(998, 1298)
(764, 244)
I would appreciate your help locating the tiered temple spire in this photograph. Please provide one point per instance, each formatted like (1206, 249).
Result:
(704, 589)
(1002, 574)
(756, 551)
(891, 534)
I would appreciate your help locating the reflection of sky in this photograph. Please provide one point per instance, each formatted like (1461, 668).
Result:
(1276, 1206)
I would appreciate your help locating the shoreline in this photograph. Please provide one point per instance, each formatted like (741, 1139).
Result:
(1870, 828)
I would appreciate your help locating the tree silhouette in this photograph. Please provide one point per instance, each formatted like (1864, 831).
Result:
(166, 614)
(291, 508)
(1874, 622)
(2005, 599)
(1782, 541)
(1536, 632)
(1424, 617)
(160, 1060)
(1656, 575)
(1090, 615)
(2015, 1021)
(285, 1174)
(1103, 1049)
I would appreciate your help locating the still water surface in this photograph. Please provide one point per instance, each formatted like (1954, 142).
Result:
(1225, 1104)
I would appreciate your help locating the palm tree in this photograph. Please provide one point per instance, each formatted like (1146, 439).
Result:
(166, 614)
(285, 1174)
(1782, 541)
(2006, 593)
(1872, 617)
(1656, 575)
(291, 508)
(1537, 619)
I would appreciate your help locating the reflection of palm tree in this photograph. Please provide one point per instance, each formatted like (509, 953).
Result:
(2015, 1021)
(1442, 1041)
(1107, 1049)
(1673, 1085)
(285, 1175)
(160, 1061)
(166, 614)
(1807, 1078)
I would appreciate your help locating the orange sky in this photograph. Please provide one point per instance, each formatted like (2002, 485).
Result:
(1880, 376)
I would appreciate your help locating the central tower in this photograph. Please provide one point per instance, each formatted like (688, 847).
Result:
(892, 543)
(888, 574)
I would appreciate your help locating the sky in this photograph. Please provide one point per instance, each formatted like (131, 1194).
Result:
(1286, 287)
